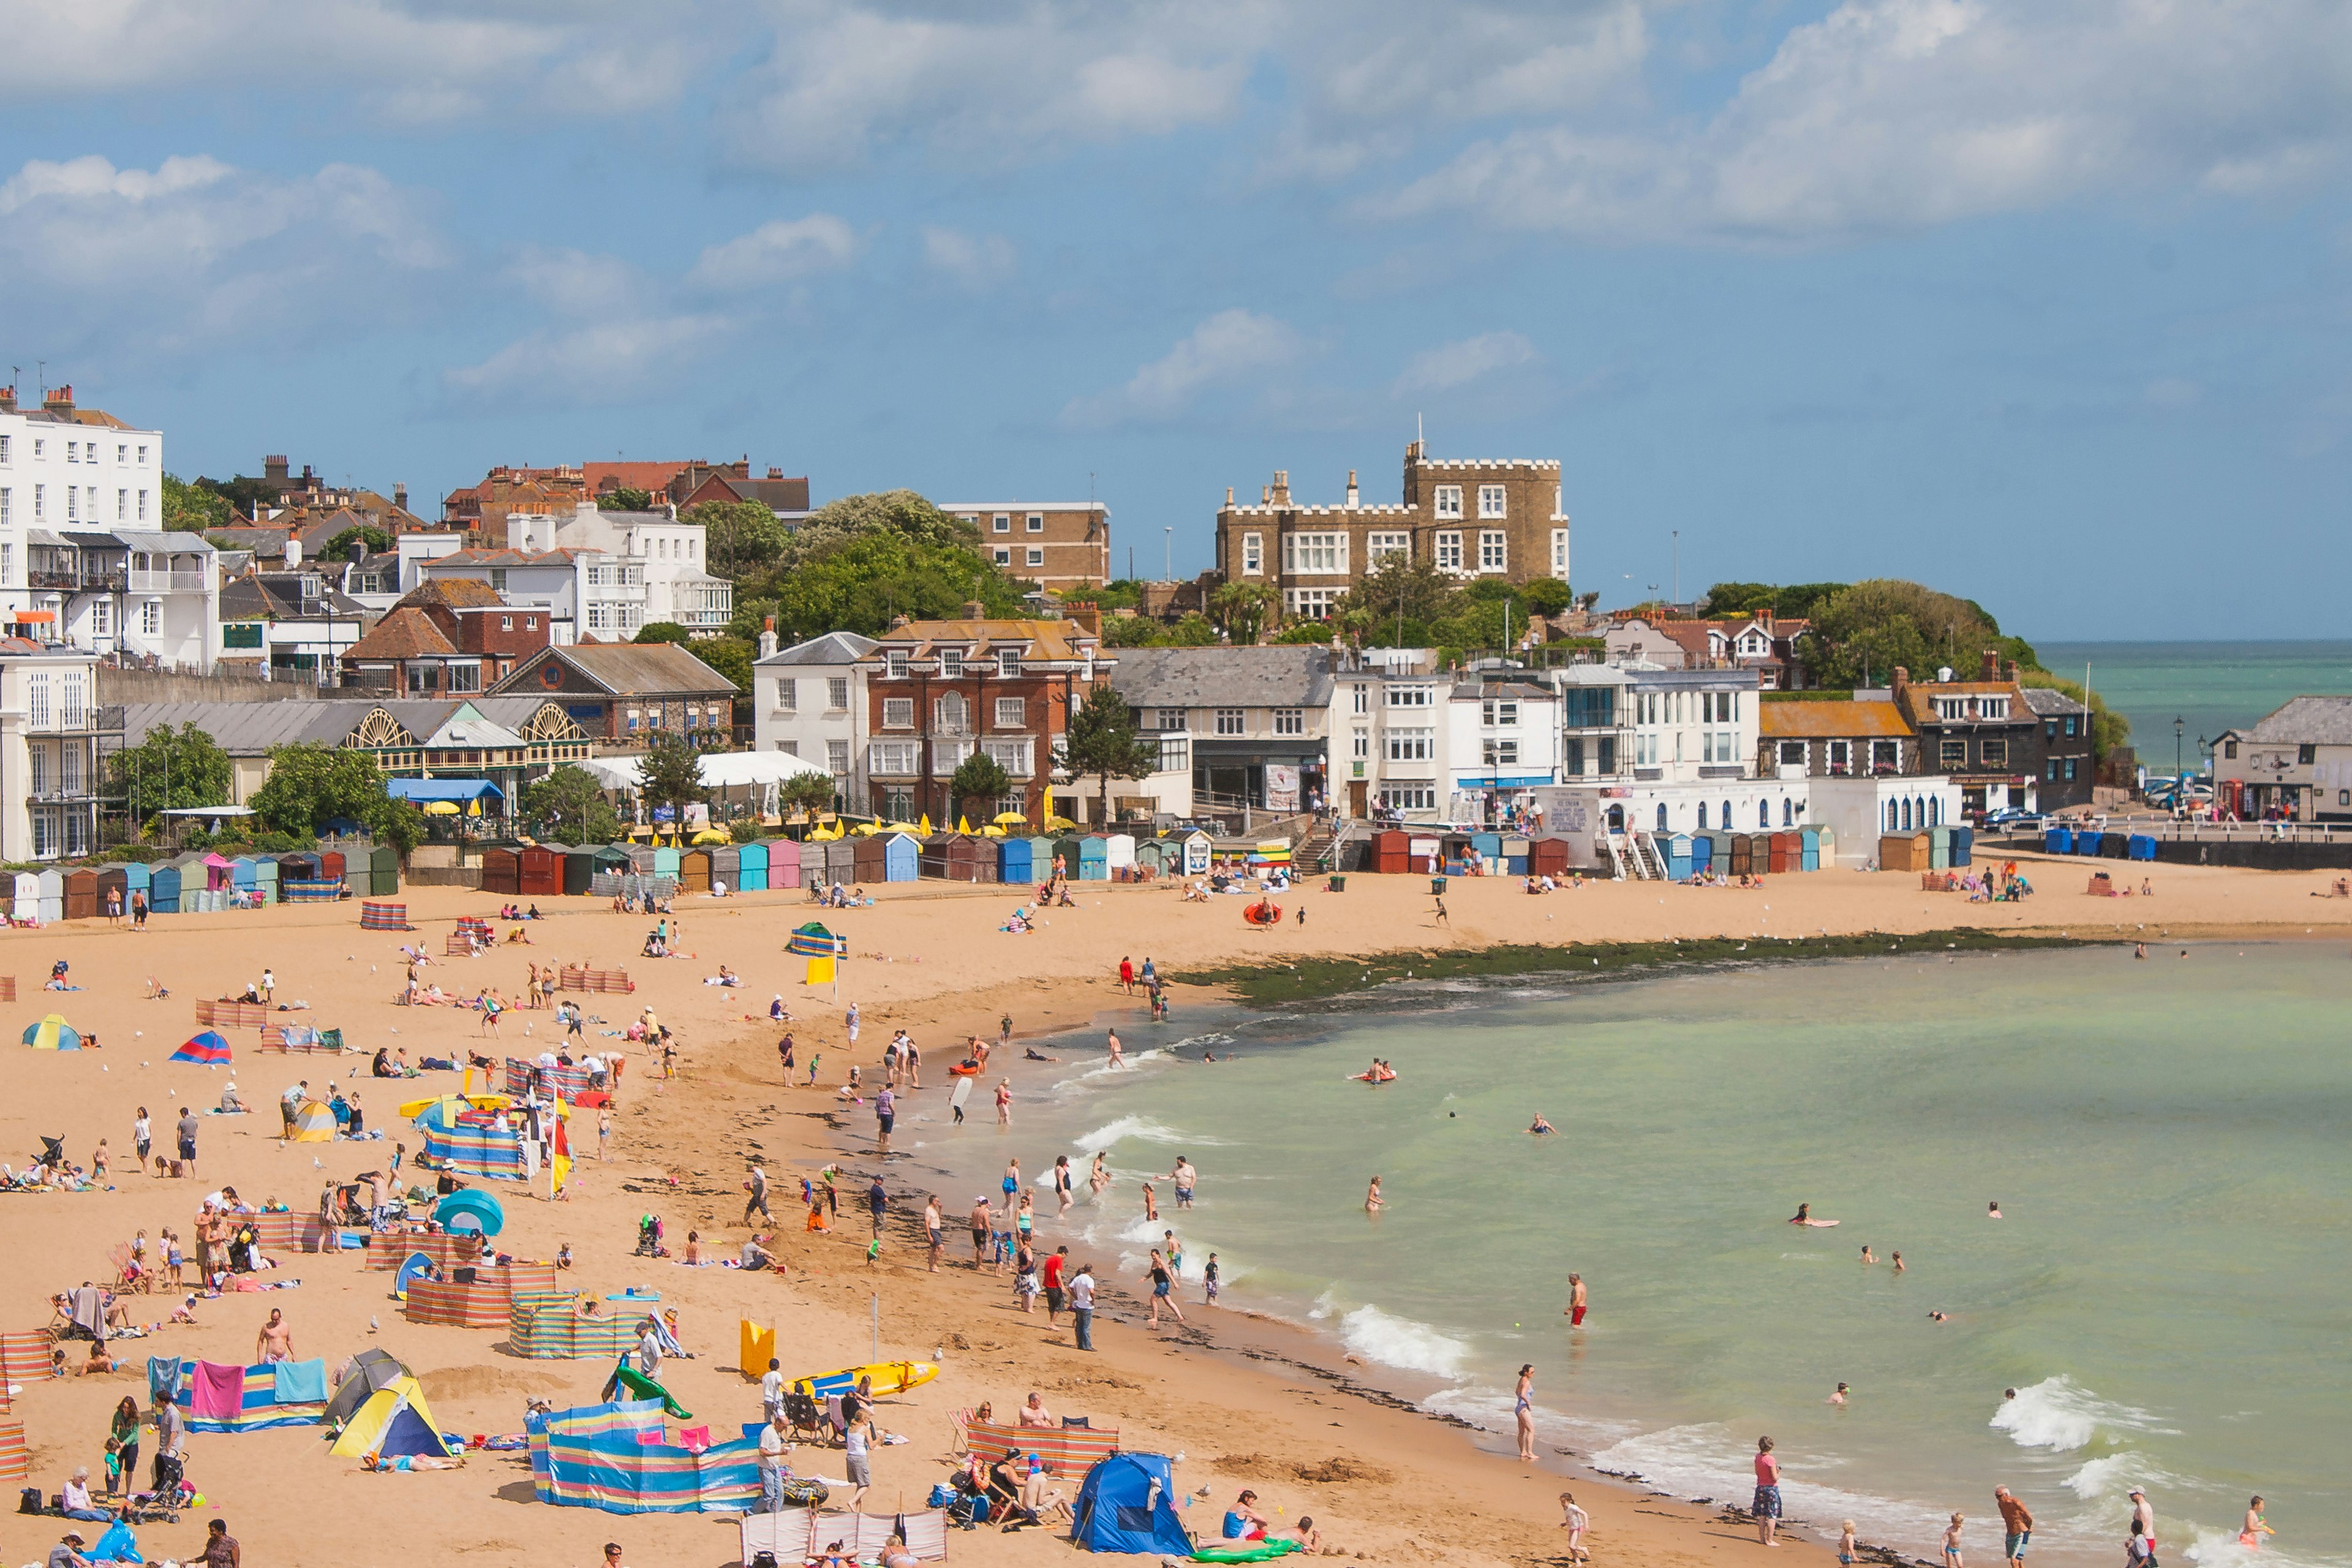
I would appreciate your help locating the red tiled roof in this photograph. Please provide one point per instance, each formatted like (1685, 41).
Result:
(403, 634)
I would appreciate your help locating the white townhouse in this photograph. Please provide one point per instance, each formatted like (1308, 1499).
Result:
(49, 751)
(809, 701)
(70, 469)
(668, 557)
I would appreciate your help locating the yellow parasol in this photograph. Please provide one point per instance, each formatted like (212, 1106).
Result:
(712, 835)
(440, 808)
(1010, 819)
(1060, 825)
(963, 826)
(925, 829)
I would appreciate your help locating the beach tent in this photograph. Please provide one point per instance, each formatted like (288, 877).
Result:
(759, 1348)
(207, 1050)
(418, 1266)
(370, 1370)
(53, 1034)
(395, 1422)
(314, 1123)
(481, 1208)
(1127, 1505)
(812, 941)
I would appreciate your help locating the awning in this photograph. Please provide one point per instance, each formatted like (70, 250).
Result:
(206, 811)
(457, 790)
(29, 616)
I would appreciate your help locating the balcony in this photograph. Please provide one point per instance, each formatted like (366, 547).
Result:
(168, 583)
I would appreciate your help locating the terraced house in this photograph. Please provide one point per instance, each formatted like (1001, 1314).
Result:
(1473, 518)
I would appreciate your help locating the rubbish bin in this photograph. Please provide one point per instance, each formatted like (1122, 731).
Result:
(1437, 886)
(1337, 885)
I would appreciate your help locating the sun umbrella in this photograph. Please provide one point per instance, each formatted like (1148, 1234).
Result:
(480, 1207)
(53, 1034)
(440, 808)
(1009, 819)
(207, 1050)
(1059, 824)
(711, 835)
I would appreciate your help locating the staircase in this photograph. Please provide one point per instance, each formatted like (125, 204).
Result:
(1616, 856)
(1318, 852)
(1649, 860)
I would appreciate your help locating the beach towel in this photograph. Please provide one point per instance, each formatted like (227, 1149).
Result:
(89, 1310)
(164, 1376)
(117, 1545)
(302, 1383)
(219, 1393)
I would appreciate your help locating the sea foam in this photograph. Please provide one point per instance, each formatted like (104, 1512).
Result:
(1399, 1341)
(2058, 1412)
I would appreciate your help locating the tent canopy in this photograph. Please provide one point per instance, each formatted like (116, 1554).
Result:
(460, 791)
(314, 1123)
(1125, 1506)
(480, 1208)
(395, 1422)
(53, 1034)
(370, 1370)
(720, 770)
(206, 1049)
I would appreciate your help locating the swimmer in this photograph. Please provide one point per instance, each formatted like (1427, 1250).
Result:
(1898, 1261)
(1939, 1316)
(1540, 1125)
(1992, 1209)
(1868, 1256)
(1804, 1215)
(1373, 1202)
(1838, 1397)
(1033, 1054)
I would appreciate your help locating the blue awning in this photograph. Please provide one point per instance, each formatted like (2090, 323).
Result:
(459, 789)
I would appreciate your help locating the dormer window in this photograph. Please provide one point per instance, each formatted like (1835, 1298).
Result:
(950, 663)
(1008, 661)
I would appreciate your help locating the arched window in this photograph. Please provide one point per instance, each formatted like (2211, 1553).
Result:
(1763, 814)
(1890, 816)
(1726, 813)
(1661, 817)
(1702, 817)
(1936, 809)
(948, 714)
(1788, 814)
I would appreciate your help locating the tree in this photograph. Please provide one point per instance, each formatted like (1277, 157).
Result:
(244, 495)
(1862, 633)
(1546, 595)
(1133, 631)
(980, 777)
(1102, 743)
(1303, 633)
(1246, 609)
(1194, 630)
(311, 785)
(662, 631)
(568, 806)
(670, 774)
(339, 547)
(622, 497)
(806, 792)
(742, 538)
(189, 510)
(171, 770)
(730, 657)
(1393, 605)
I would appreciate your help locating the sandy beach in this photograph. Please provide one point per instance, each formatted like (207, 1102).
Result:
(1248, 1402)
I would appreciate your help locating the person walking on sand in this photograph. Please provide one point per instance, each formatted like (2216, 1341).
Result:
(934, 1232)
(275, 1342)
(756, 1186)
(1004, 1030)
(603, 1132)
(1126, 976)
(1163, 1286)
(1082, 1305)
(142, 1136)
(886, 1111)
(1439, 912)
(1574, 1310)
(981, 1218)
(2016, 1525)
(851, 1019)
(1765, 1508)
(1952, 1542)
(2143, 1526)
(1523, 1408)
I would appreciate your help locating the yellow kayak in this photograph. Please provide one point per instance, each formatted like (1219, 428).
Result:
(888, 1377)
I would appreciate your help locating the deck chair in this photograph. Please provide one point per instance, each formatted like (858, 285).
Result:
(807, 1420)
(962, 1421)
(128, 1275)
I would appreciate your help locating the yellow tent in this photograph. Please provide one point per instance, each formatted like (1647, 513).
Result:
(314, 1123)
(758, 1349)
(395, 1422)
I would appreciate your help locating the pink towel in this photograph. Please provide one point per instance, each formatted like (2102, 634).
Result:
(695, 1438)
(219, 1393)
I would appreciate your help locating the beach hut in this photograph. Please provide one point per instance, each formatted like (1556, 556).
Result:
(869, 857)
(300, 866)
(785, 859)
(138, 881)
(1809, 841)
(502, 870)
(902, 857)
(1548, 855)
(751, 867)
(1787, 852)
(1515, 855)
(1703, 853)
(971, 858)
(383, 871)
(1093, 859)
(726, 866)
(1903, 852)
(1199, 850)
(163, 887)
(1119, 852)
(1678, 857)
(332, 868)
(641, 859)
(1391, 850)
(81, 894)
(265, 879)
(611, 863)
(1151, 857)
(1964, 845)
(244, 874)
(1743, 856)
(694, 870)
(667, 859)
(1489, 847)
(1939, 848)
(539, 870)
(114, 880)
(841, 860)
(49, 895)
(1012, 860)
(1828, 837)
(579, 872)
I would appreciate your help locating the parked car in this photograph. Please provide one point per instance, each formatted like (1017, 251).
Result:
(2012, 819)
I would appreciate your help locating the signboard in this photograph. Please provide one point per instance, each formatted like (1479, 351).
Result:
(1281, 786)
(241, 634)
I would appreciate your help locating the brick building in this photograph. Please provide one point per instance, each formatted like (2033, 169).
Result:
(480, 623)
(1058, 546)
(504, 490)
(937, 690)
(1471, 517)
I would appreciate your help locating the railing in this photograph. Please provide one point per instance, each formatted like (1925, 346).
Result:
(167, 582)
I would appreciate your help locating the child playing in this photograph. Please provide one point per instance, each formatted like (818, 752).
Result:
(1952, 1542)
(1846, 1544)
(1573, 1521)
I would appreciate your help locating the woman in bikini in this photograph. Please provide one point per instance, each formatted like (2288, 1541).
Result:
(1523, 1405)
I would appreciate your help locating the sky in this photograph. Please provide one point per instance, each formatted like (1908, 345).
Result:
(2040, 301)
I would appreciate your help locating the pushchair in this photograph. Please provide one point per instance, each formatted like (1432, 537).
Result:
(649, 1238)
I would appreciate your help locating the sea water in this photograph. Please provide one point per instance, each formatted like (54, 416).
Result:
(2210, 686)
(2168, 1293)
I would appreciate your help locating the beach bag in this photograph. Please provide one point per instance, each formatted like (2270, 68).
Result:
(943, 1496)
(29, 1501)
(763, 1559)
(803, 1491)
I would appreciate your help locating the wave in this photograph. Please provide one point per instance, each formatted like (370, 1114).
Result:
(1142, 1129)
(2060, 1413)
(2112, 1476)
(1709, 1460)
(1401, 1342)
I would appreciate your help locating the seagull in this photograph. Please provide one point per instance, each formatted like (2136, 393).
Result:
(317, 1164)
(371, 1324)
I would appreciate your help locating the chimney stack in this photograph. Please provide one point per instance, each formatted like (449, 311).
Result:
(273, 467)
(767, 637)
(1229, 490)
(775, 472)
(8, 401)
(1764, 617)
(59, 400)
(1282, 487)
(1991, 666)
(400, 494)
(742, 468)
(1902, 681)
(1352, 492)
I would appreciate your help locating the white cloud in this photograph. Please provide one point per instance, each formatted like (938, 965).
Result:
(1894, 115)
(420, 61)
(603, 359)
(1450, 365)
(196, 252)
(1231, 346)
(778, 252)
(973, 261)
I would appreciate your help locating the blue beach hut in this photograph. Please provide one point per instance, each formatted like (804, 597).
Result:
(1012, 860)
(1678, 857)
(164, 889)
(1093, 859)
(751, 867)
(902, 858)
(1964, 843)
(1812, 839)
(138, 878)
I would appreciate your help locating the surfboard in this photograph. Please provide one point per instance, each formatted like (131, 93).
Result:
(962, 1092)
(889, 1377)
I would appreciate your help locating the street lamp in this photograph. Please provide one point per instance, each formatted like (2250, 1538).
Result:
(2179, 727)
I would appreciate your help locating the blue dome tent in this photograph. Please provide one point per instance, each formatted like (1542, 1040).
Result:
(1126, 1505)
